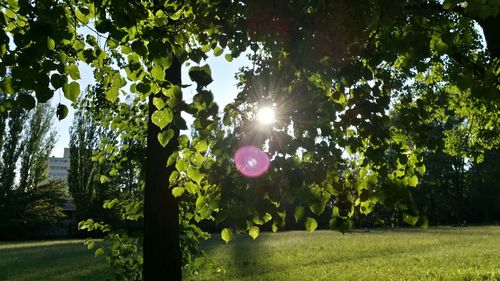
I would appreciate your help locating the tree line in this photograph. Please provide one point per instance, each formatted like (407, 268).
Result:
(28, 198)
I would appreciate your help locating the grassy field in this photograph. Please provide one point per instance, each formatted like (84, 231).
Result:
(471, 253)
(67, 260)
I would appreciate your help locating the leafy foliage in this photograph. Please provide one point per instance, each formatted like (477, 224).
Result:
(356, 87)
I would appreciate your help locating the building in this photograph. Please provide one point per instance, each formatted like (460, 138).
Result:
(59, 166)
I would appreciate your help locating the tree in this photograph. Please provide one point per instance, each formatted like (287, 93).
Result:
(12, 150)
(88, 193)
(357, 57)
(38, 141)
(29, 200)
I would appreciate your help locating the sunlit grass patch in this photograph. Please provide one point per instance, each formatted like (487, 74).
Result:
(410, 254)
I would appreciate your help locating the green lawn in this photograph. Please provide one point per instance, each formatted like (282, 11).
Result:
(471, 253)
(67, 260)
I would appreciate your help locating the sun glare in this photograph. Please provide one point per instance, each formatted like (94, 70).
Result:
(265, 115)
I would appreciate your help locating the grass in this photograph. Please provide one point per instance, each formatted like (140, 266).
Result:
(471, 253)
(67, 260)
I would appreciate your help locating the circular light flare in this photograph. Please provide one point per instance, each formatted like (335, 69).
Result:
(251, 161)
(266, 115)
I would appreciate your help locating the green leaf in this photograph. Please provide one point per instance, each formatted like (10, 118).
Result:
(162, 117)
(73, 71)
(267, 217)
(411, 220)
(184, 141)
(165, 62)
(159, 103)
(254, 231)
(299, 213)
(99, 252)
(6, 86)
(108, 204)
(26, 101)
(226, 235)
(420, 169)
(201, 146)
(178, 191)
(181, 165)
(10, 14)
(201, 75)
(200, 201)
(228, 57)
(176, 15)
(173, 91)
(71, 91)
(257, 220)
(143, 88)
(103, 179)
(57, 80)
(113, 172)
(61, 111)
(191, 187)
(171, 159)
(174, 176)
(318, 206)
(165, 136)
(158, 73)
(195, 175)
(51, 44)
(274, 227)
(218, 51)
(112, 94)
(197, 159)
(413, 181)
(310, 224)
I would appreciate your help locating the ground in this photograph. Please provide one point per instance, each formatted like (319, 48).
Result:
(67, 260)
(470, 253)
(445, 253)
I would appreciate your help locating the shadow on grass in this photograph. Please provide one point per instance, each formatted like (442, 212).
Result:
(248, 256)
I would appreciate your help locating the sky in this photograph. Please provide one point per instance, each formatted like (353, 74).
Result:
(223, 87)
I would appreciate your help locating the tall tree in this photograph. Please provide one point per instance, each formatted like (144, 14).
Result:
(83, 172)
(29, 200)
(38, 141)
(11, 151)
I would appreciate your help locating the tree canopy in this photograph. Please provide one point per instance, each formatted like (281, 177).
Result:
(359, 87)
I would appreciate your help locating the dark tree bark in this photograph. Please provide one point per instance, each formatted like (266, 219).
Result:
(491, 30)
(162, 256)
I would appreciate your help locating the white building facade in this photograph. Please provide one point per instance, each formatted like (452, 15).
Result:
(59, 166)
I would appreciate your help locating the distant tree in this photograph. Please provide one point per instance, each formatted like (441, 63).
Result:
(87, 189)
(38, 141)
(12, 149)
(29, 200)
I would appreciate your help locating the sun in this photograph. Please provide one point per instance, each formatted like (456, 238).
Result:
(266, 115)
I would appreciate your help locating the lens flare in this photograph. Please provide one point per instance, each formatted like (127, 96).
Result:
(251, 161)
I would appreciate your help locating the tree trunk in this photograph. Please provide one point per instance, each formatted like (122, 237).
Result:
(162, 256)
(491, 30)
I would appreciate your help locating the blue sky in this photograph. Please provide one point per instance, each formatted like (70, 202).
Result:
(223, 88)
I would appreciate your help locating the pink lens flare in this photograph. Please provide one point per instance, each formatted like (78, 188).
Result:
(251, 161)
